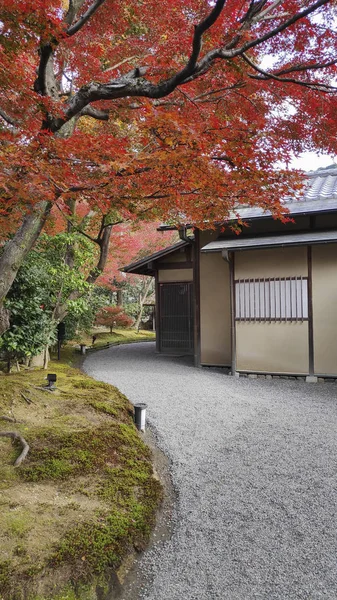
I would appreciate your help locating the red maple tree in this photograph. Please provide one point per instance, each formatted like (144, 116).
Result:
(178, 113)
(112, 317)
(129, 243)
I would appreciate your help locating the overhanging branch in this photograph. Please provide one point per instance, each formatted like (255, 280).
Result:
(134, 84)
(84, 18)
(100, 115)
(267, 36)
(265, 75)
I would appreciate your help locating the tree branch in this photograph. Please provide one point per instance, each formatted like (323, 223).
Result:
(306, 67)
(253, 9)
(134, 85)
(17, 248)
(267, 36)
(125, 60)
(7, 118)
(84, 18)
(225, 159)
(74, 226)
(103, 243)
(323, 87)
(100, 115)
(264, 13)
(199, 31)
(74, 7)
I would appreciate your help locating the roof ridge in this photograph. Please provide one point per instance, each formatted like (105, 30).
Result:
(323, 172)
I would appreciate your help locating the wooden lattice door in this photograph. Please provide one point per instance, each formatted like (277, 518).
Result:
(176, 333)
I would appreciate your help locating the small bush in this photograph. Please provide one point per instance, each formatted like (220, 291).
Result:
(113, 316)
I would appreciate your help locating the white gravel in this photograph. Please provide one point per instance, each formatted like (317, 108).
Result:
(254, 465)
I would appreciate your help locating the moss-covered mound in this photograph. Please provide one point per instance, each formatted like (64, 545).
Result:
(84, 497)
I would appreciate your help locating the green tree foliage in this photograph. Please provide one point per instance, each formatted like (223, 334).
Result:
(53, 275)
(32, 327)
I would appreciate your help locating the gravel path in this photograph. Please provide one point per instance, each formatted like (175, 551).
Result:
(254, 464)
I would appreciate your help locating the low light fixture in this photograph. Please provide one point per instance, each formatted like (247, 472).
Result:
(140, 415)
(51, 378)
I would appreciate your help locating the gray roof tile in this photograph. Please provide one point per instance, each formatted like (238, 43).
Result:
(320, 195)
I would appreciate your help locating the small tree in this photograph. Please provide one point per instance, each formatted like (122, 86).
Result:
(47, 282)
(113, 316)
(31, 326)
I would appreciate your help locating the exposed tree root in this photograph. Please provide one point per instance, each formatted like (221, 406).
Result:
(9, 419)
(15, 436)
(28, 400)
(43, 389)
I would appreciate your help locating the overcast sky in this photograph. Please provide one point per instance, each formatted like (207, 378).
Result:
(310, 161)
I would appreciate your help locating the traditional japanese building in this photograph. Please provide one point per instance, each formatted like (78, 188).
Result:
(261, 302)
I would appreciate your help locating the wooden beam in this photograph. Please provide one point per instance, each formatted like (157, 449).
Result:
(157, 297)
(310, 314)
(231, 257)
(196, 281)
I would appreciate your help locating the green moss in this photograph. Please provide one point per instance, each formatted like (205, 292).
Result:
(19, 524)
(96, 546)
(66, 594)
(85, 384)
(90, 384)
(5, 572)
(62, 455)
(106, 408)
(106, 468)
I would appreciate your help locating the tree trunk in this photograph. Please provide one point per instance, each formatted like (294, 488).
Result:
(46, 357)
(141, 302)
(4, 320)
(16, 250)
(119, 298)
(40, 360)
(61, 311)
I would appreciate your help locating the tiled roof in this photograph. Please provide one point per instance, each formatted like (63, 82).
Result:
(322, 184)
(320, 196)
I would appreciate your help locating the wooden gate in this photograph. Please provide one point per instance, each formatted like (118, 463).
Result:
(176, 307)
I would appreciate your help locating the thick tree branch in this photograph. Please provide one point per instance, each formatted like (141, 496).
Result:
(253, 9)
(199, 31)
(45, 83)
(84, 18)
(262, 14)
(74, 7)
(100, 115)
(17, 248)
(103, 242)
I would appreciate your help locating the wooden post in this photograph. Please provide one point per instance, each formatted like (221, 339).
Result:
(231, 257)
(196, 285)
(311, 378)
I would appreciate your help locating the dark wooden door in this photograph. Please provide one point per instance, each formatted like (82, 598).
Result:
(176, 309)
